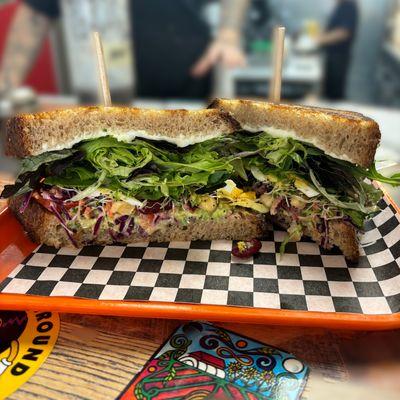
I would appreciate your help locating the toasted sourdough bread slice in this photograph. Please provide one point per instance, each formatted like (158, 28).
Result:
(340, 234)
(43, 227)
(342, 134)
(33, 134)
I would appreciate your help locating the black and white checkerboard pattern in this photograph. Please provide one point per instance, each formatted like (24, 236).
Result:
(305, 278)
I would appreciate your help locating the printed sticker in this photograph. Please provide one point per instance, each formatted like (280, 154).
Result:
(202, 361)
(26, 339)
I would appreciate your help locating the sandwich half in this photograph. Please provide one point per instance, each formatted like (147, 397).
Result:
(93, 175)
(318, 179)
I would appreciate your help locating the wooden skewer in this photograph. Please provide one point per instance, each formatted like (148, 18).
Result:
(101, 67)
(278, 46)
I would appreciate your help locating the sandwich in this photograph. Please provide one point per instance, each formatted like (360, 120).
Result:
(94, 175)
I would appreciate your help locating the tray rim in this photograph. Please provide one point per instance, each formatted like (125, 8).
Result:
(16, 239)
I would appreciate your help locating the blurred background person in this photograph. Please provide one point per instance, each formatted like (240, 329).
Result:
(337, 42)
(184, 51)
(174, 50)
(176, 45)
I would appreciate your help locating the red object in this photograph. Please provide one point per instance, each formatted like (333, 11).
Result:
(43, 202)
(42, 76)
(187, 383)
(246, 249)
(154, 207)
(208, 359)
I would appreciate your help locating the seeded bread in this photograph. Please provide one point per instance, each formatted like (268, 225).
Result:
(33, 134)
(343, 134)
(43, 227)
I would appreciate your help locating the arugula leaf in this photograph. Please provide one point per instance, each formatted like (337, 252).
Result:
(151, 170)
(357, 217)
(337, 202)
(23, 184)
(78, 177)
(374, 175)
(239, 168)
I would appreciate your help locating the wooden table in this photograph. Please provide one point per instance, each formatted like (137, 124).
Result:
(95, 357)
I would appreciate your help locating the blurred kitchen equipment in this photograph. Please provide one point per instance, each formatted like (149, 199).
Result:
(312, 28)
(5, 108)
(307, 40)
(258, 27)
(302, 75)
(387, 91)
(111, 19)
(394, 25)
(305, 44)
(23, 99)
(18, 100)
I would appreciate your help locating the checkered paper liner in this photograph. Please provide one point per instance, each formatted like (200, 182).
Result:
(305, 278)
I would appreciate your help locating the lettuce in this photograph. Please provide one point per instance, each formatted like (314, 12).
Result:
(114, 157)
(148, 170)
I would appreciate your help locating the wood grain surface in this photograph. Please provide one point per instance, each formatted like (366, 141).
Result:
(96, 357)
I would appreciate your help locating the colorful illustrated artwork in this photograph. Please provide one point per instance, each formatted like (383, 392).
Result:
(203, 361)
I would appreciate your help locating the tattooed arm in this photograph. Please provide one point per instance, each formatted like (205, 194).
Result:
(226, 48)
(24, 41)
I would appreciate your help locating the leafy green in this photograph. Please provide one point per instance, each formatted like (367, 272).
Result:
(374, 175)
(239, 167)
(148, 170)
(90, 189)
(78, 177)
(22, 185)
(357, 217)
(294, 232)
(114, 157)
(32, 164)
(334, 199)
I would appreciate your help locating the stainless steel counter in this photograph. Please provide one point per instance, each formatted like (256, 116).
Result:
(297, 69)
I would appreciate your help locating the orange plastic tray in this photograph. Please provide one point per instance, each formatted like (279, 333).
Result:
(15, 246)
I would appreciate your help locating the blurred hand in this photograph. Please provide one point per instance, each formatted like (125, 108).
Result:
(227, 52)
(305, 44)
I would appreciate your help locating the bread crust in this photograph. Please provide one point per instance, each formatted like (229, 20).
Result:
(341, 234)
(343, 134)
(33, 134)
(43, 227)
